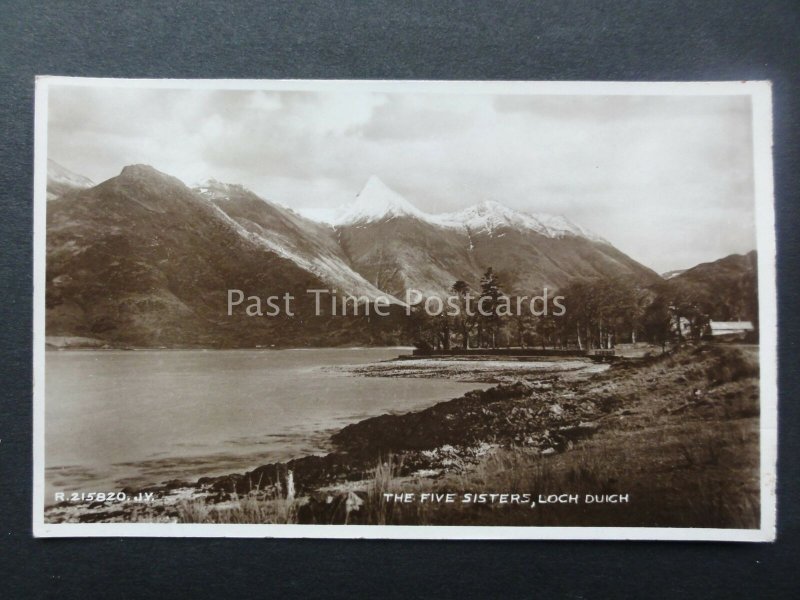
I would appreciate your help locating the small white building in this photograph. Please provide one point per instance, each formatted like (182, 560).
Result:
(723, 330)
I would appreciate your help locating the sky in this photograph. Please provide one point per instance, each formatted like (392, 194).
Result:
(666, 179)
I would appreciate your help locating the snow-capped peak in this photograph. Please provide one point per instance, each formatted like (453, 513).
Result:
(217, 190)
(59, 174)
(376, 202)
(489, 216)
(559, 226)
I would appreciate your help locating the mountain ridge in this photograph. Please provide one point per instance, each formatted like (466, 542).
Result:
(398, 247)
(377, 201)
(725, 289)
(143, 259)
(61, 180)
(281, 230)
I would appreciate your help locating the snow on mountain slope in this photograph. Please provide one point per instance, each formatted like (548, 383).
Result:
(158, 259)
(399, 247)
(673, 274)
(377, 202)
(559, 226)
(60, 180)
(310, 245)
(488, 217)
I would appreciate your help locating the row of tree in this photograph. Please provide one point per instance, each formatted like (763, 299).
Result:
(599, 313)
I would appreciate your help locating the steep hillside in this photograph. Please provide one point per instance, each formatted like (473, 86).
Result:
(143, 260)
(725, 289)
(400, 253)
(61, 180)
(397, 247)
(312, 246)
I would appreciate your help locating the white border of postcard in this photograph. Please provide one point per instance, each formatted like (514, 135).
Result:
(761, 94)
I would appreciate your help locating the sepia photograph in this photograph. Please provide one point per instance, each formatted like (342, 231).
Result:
(404, 309)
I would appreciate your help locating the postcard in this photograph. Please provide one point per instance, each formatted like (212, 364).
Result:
(404, 309)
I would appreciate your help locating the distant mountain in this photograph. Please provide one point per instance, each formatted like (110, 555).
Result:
(141, 259)
(398, 247)
(312, 246)
(377, 202)
(401, 253)
(61, 180)
(725, 289)
(673, 273)
(490, 217)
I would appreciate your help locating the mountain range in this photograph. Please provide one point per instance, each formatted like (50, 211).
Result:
(142, 259)
(61, 180)
(725, 289)
(397, 247)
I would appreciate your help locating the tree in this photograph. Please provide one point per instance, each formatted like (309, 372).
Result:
(488, 304)
(464, 322)
(522, 323)
(443, 322)
(546, 328)
(601, 311)
(580, 310)
(657, 321)
(423, 329)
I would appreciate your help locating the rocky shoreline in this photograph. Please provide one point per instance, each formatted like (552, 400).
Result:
(447, 437)
(480, 369)
(544, 416)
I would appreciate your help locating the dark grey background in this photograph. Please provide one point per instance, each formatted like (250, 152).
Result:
(726, 40)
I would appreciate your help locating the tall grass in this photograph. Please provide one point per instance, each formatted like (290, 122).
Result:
(275, 504)
(683, 461)
(241, 510)
(376, 508)
(676, 476)
(684, 476)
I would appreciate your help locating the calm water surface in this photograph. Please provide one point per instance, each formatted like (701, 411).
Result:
(118, 418)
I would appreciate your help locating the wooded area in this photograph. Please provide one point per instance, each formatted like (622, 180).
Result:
(598, 314)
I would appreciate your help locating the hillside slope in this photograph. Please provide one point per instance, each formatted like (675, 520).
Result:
(725, 289)
(398, 247)
(143, 260)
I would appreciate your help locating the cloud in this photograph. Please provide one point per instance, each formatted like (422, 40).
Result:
(668, 179)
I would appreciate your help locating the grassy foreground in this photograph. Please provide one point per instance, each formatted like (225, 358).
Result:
(679, 435)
